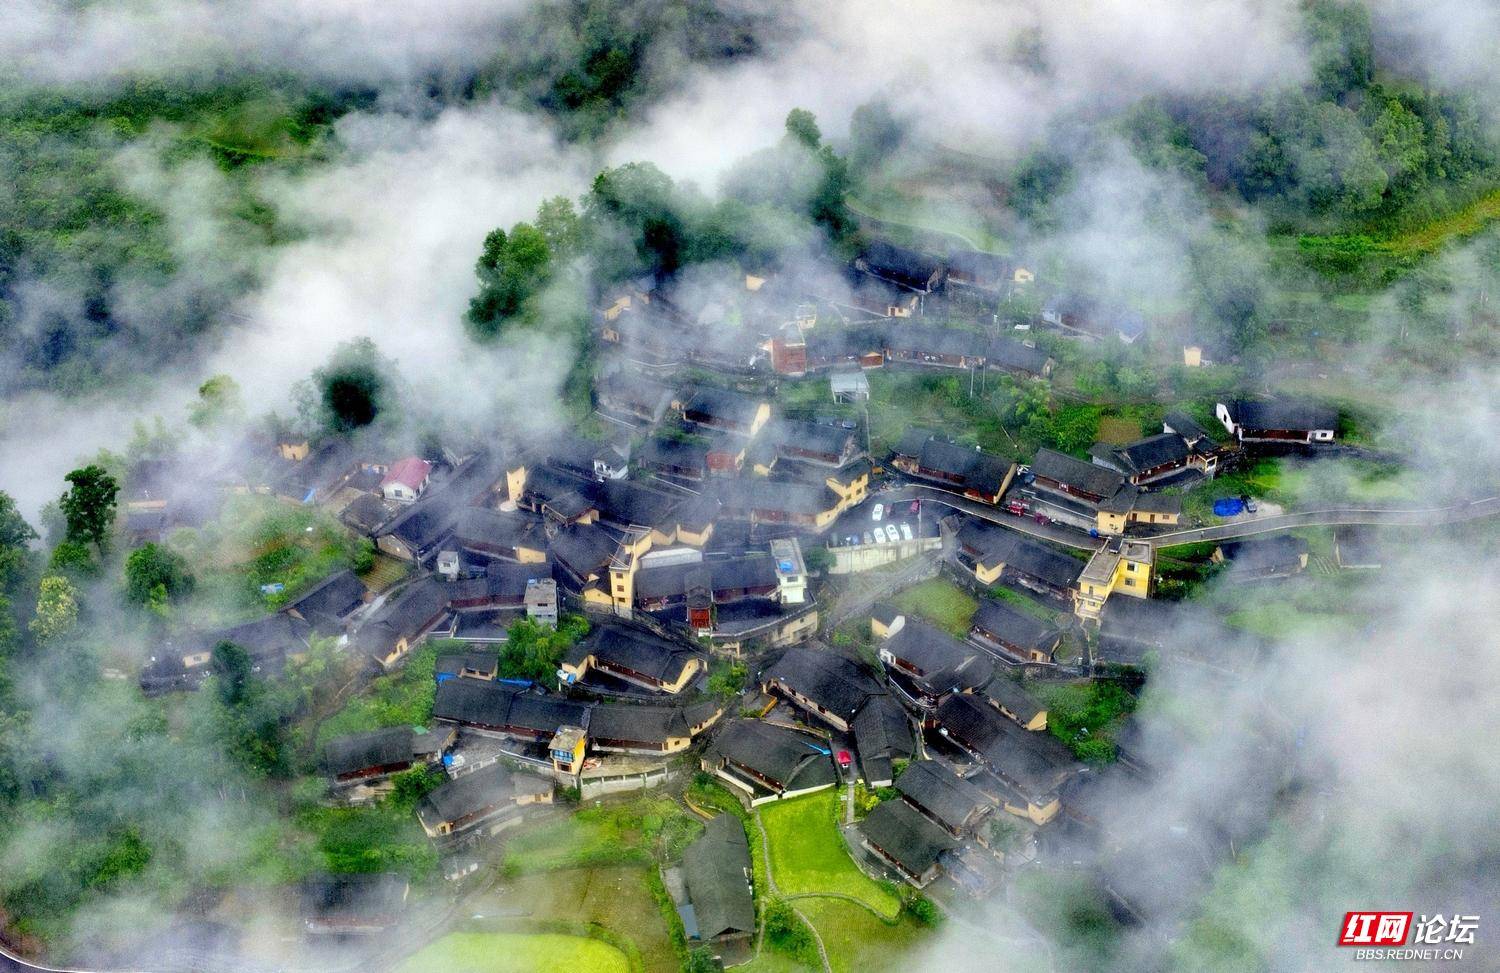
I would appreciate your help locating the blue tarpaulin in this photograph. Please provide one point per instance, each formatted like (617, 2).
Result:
(1228, 506)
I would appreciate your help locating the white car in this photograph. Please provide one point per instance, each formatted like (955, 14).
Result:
(906, 531)
(877, 513)
(892, 533)
(880, 537)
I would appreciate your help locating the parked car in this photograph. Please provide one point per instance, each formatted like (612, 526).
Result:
(1250, 505)
(906, 531)
(916, 506)
(877, 513)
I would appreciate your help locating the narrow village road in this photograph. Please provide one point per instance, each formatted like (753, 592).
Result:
(1335, 517)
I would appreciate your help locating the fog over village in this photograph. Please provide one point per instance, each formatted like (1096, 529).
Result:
(669, 485)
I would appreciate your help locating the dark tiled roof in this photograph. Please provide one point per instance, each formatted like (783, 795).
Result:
(721, 405)
(944, 796)
(1010, 696)
(790, 759)
(1287, 414)
(1036, 764)
(1086, 477)
(1185, 426)
(716, 874)
(477, 792)
(945, 664)
(363, 751)
(838, 684)
(481, 527)
(330, 601)
(473, 702)
(746, 496)
(1014, 625)
(906, 837)
(882, 733)
(354, 900)
(638, 651)
(1153, 451)
(416, 608)
(726, 574)
(648, 726)
(1005, 353)
(909, 268)
(1264, 554)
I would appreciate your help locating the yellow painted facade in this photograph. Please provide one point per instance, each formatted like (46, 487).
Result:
(515, 483)
(294, 451)
(1121, 566)
(1038, 814)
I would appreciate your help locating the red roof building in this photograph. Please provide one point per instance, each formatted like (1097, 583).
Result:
(406, 479)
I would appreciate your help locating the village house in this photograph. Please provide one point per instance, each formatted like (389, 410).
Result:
(490, 798)
(404, 622)
(971, 472)
(350, 905)
(634, 656)
(1033, 765)
(809, 505)
(996, 555)
(184, 660)
(813, 442)
(641, 730)
(1278, 422)
(1013, 634)
(724, 410)
(406, 480)
(885, 620)
(484, 666)
(1260, 559)
(986, 272)
(759, 761)
(849, 386)
(882, 736)
(880, 299)
(851, 349)
(501, 590)
(717, 880)
(948, 800)
(1012, 700)
(1121, 565)
(623, 394)
(903, 837)
(1017, 358)
(490, 533)
(788, 348)
(1149, 460)
(329, 605)
(910, 270)
(827, 686)
(925, 663)
(1092, 496)
(362, 764)
(677, 460)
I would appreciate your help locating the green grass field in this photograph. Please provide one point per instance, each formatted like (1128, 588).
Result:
(808, 853)
(619, 898)
(941, 602)
(857, 941)
(616, 833)
(476, 952)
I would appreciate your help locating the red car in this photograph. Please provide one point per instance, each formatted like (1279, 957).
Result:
(844, 759)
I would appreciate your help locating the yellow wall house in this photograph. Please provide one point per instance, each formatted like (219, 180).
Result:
(1038, 814)
(567, 749)
(1123, 566)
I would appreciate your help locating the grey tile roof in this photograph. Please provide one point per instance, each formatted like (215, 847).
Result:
(716, 876)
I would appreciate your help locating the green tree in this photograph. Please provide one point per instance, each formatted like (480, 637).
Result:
(727, 682)
(89, 505)
(352, 390)
(534, 652)
(14, 530)
(151, 567)
(802, 127)
(218, 400)
(234, 669)
(512, 268)
(56, 608)
(74, 559)
(560, 225)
